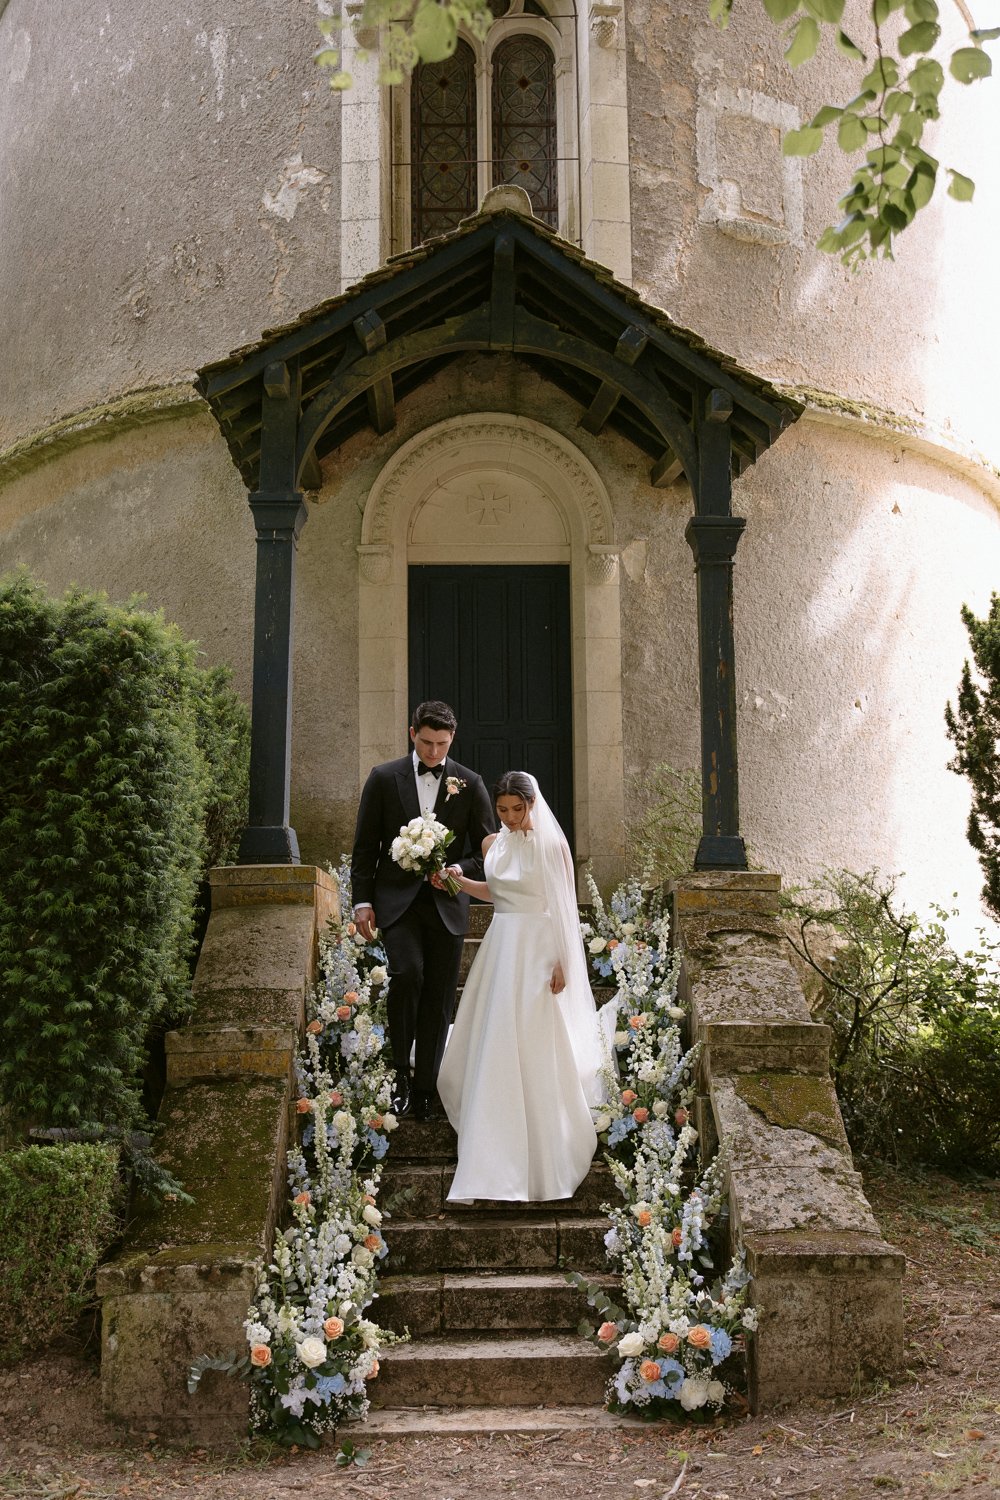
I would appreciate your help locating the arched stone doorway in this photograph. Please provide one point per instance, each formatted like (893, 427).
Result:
(494, 488)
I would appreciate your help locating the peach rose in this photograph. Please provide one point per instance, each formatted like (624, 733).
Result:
(350, 929)
(644, 1218)
(303, 1106)
(336, 1097)
(681, 1117)
(699, 1337)
(302, 1200)
(676, 1235)
(649, 1370)
(637, 1022)
(642, 945)
(607, 1333)
(343, 1012)
(351, 998)
(376, 1122)
(333, 1328)
(372, 1242)
(374, 1370)
(260, 1356)
(315, 1027)
(368, 1198)
(628, 1097)
(613, 943)
(668, 1342)
(640, 1115)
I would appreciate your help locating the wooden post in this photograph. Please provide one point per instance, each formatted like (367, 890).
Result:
(279, 514)
(713, 534)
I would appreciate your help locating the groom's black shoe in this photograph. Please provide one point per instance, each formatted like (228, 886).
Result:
(423, 1105)
(401, 1094)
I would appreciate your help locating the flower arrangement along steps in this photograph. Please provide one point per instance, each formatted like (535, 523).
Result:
(490, 1314)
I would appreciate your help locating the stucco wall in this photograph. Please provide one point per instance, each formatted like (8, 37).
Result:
(169, 182)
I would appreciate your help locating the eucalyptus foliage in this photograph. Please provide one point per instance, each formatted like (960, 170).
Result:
(896, 93)
(974, 725)
(114, 746)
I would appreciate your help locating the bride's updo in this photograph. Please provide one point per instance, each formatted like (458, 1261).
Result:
(515, 784)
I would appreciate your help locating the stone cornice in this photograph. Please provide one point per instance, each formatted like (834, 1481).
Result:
(96, 423)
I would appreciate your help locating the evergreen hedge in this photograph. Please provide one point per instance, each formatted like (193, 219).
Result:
(116, 750)
(57, 1215)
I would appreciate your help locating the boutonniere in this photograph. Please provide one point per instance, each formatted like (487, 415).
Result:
(453, 784)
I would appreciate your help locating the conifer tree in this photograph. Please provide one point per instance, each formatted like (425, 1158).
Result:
(974, 725)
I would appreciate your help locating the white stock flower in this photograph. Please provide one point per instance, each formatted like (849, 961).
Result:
(311, 1352)
(285, 1320)
(370, 1334)
(631, 1345)
(749, 1320)
(342, 1245)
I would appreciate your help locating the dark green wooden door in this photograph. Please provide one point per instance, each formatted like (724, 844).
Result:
(494, 642)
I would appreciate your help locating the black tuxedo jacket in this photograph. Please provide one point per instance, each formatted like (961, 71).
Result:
(389, 800)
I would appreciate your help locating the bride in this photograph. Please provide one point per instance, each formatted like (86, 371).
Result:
(521, 1070)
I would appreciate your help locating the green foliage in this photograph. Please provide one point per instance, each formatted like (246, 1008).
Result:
(663, 823)
(974, 726)
(113, 746)
(57, 1215)
(916, 1026)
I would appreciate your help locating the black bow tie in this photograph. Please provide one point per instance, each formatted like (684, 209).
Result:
(435, 771)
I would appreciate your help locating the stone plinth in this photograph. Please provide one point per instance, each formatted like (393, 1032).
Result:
(187, 1273)
(826, 1286)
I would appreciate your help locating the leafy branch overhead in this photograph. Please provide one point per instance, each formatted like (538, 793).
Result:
(897, 92)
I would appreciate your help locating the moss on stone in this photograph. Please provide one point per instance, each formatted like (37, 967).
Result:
(794, 1101)
(136, 409)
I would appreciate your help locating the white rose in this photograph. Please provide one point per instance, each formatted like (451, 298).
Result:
(341, 1119)
(371, 1215)
(361, 1257)
(597, 945)
(694, 1393)
(660, 1108)
(675, 1013)
(379, 975)
(311, 1352)
(630, 1345)
(389, 1122)
(621, 1037)
(602, 1123)
(716, 1392)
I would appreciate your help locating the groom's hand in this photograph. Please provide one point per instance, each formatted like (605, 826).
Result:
(364, 921)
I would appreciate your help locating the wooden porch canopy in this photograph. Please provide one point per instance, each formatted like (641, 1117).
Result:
(501, 282)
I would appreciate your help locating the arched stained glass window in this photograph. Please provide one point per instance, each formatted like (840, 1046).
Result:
(524, 123)
(443, 143)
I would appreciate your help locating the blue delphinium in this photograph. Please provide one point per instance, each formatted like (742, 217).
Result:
(722, 1345)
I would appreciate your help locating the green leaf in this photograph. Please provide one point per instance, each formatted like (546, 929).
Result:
(990, 35)
(884, 75)
(850, 48)
(825, 10)
(968, 64)
(926, 78)
(720, 11)
(805, 40)
(921, 184)
(920, 10)
(781, 10)
(434, 31)
(327, 57)
(919, 38)
(804, 142)
(826, 116)
(899, 102)
(961, 188)
(852, 134)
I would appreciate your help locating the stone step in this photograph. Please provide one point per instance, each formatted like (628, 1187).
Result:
(483, 1244)
(481, 1302)
(474, 1421)
(480, 917)
(423, 1140)
(559, 1369)
(469, 950)
(419, 1190)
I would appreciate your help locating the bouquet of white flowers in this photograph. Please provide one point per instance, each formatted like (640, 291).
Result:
(421, 847)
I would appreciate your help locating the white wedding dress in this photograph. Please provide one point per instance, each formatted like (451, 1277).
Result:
(511, 1079)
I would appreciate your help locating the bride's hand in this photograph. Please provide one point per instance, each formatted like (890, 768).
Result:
(558, 981)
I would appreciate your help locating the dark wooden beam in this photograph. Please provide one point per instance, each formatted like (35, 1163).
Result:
(666, 470)
(371, 334)
(628, 349)
(312, 474)
(502, 293)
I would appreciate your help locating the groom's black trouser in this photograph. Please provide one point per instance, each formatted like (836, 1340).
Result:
(424, 959)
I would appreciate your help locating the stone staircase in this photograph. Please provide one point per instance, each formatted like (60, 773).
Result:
(479, 1288)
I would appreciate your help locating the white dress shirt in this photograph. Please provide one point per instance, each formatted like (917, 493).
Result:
(427, 787)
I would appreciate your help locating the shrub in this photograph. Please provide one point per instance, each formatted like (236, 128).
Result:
(57, 1215)
(664, 823)
(916, 1026)
(974, 725)
(114, 747)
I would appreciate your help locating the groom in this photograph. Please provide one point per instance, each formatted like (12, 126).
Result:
(422, 927)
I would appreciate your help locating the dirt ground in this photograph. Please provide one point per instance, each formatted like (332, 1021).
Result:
(935, 1432)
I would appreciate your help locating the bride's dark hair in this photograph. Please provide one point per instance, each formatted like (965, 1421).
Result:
(514, 784)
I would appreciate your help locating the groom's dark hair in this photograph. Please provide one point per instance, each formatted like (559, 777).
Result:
(435, 715)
